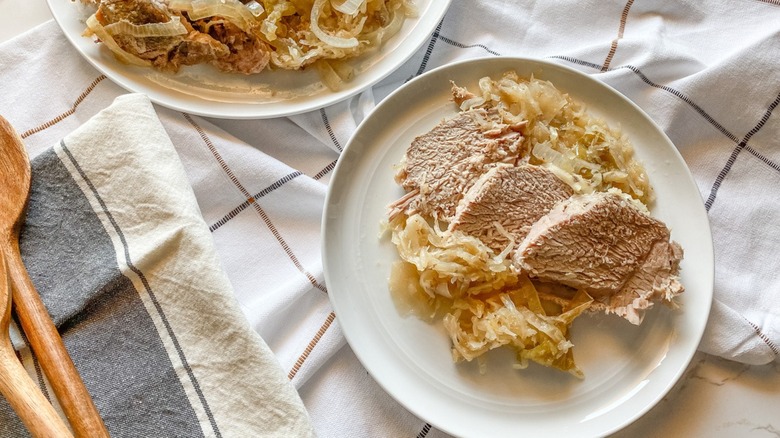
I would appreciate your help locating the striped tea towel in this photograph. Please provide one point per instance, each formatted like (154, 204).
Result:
(116, 245)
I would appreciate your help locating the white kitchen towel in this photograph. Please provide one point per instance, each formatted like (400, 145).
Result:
(705, 71)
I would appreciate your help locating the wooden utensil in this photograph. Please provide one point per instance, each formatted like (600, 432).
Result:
(15, 384)
(43, 337)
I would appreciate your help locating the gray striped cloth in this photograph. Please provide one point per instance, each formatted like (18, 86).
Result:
(116, 245)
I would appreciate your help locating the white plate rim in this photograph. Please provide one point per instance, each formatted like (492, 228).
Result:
(133, 79)
(387, 379)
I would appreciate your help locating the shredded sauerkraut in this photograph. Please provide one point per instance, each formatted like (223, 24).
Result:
(579, 148)
(481, 300)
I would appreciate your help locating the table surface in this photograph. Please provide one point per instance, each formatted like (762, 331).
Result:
(714, 398)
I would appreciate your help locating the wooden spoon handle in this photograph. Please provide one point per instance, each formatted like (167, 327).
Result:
(26, 399)
(47, 345)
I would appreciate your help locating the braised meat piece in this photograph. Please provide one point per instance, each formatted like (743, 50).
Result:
(248, 54)
(605, 244)
(167, 53)
(512, 198)
(441, 165)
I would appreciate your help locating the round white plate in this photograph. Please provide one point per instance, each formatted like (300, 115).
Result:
(627, 368)
(203, 90)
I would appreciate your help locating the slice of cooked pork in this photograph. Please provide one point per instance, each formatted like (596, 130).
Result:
(607, 245)
(506, 201)
(441, 165)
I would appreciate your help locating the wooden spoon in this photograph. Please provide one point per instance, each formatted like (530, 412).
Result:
(15, 384)
(35, 320)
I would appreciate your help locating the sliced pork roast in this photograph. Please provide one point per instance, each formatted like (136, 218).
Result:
(441, 165)
(512, 198)
(607, 245)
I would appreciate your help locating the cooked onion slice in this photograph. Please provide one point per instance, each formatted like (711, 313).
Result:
(170, 28)
(231, 10)
(334, 73)
(95, 27)
(328, 75)
(382, 34)
(349, 7)
(333, 41)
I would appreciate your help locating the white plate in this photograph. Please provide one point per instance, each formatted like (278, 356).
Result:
(628, 369)
(203, 90)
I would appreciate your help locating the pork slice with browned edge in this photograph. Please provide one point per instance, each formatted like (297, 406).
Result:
(607, 245)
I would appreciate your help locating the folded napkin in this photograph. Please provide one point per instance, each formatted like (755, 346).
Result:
(705, 71)
(117, 248)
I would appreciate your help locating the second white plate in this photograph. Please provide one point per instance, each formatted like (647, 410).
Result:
(203, 90)
(628, 369)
